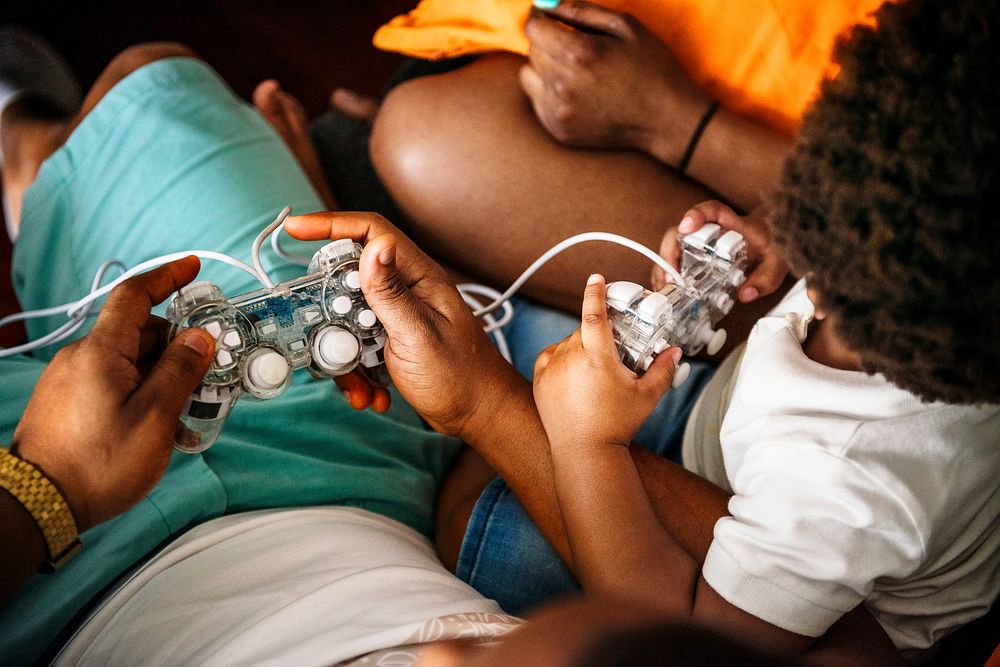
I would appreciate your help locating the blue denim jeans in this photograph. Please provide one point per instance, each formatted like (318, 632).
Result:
(503, 555)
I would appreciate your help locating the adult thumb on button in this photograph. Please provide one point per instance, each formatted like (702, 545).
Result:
(179, 370)
(383, 286)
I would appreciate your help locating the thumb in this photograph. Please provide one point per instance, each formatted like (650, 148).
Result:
(595, 328)
(383, 286)
(180, 369)
(660, 375)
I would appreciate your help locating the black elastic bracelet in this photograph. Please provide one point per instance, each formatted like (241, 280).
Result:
(702, 124)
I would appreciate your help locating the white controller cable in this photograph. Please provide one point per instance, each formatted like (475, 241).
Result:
(67, 329)
(493, 326)
(576, 240)
(77, 310)
(503, 300)
(259, 241)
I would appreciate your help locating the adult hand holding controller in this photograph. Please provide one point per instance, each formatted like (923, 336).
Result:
(119, 392)
(439, 358)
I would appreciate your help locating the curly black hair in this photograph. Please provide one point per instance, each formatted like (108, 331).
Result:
(889, 200)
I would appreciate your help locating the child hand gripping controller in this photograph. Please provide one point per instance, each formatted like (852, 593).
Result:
(320, 321)
(711, 250)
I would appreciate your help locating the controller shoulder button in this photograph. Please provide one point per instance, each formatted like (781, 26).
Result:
(653, 307)
(622, 293)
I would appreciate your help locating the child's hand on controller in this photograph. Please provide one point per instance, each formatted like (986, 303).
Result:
(583, 391)
(769, 269)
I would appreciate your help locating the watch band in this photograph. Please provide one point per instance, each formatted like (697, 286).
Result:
(42, 499)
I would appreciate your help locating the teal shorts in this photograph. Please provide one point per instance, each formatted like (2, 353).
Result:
(172, 160)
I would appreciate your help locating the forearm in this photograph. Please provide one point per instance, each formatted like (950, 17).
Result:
(619, 545)
(23, 547)
(735, 157)
(509, 436)
(511, 439)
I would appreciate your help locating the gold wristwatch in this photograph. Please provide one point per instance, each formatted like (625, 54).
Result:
(42, 499)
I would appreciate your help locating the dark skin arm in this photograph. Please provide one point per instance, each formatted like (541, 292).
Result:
(600, 79)
(118, 394)
(433, 336)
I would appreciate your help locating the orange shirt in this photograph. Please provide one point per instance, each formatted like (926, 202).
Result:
(761, 58)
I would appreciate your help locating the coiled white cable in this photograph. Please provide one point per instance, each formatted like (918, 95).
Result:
(77, 310)
(493, 326)
(281, 252)
(259, 241)
(67, 329)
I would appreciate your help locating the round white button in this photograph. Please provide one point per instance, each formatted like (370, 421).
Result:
(681, 374)
(353, 280)
(342, 305)
(366, 318)
(717, 341)
(335, 348)
(267, 370)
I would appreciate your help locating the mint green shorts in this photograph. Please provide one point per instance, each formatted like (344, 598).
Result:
(172, 160)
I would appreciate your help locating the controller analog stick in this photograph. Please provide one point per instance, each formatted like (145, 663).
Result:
(267, 370)
(334, 349)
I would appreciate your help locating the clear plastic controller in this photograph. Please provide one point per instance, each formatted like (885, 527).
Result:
(713, 265)
(320, 321)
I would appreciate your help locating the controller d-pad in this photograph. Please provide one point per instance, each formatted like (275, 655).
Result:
(214, 328)
(232, 339)
(223, 359)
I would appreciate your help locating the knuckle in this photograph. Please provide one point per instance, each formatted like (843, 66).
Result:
(181, 365)
(593, 319)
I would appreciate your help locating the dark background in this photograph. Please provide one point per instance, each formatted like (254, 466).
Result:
(310, 47)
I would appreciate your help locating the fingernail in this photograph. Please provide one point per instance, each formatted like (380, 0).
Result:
(196, 342)
(676, 353)
(749, 294)
(387, 255)
(594, 279)
(687, 224)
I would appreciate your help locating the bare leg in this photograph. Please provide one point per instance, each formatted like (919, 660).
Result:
(29, 138)
(488, 191)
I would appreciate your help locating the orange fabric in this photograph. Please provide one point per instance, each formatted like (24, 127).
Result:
(761, 58)
(994, 660)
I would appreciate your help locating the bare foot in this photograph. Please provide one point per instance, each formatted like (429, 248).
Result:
(354, 105)
(288, 119)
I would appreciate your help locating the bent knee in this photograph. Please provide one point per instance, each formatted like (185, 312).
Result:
(406, 137)
(140, 55)
(433, 133)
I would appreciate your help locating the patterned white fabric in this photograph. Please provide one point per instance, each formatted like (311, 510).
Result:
(316, 586)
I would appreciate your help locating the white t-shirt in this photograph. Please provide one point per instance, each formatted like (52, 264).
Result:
(846, 489)
(315, 586)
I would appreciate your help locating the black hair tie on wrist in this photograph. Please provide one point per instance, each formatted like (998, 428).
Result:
(702, 124)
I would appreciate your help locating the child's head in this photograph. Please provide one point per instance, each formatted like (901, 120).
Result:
(890, 200)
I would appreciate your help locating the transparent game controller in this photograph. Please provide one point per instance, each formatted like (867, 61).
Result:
(320, 321)
(645, 323)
